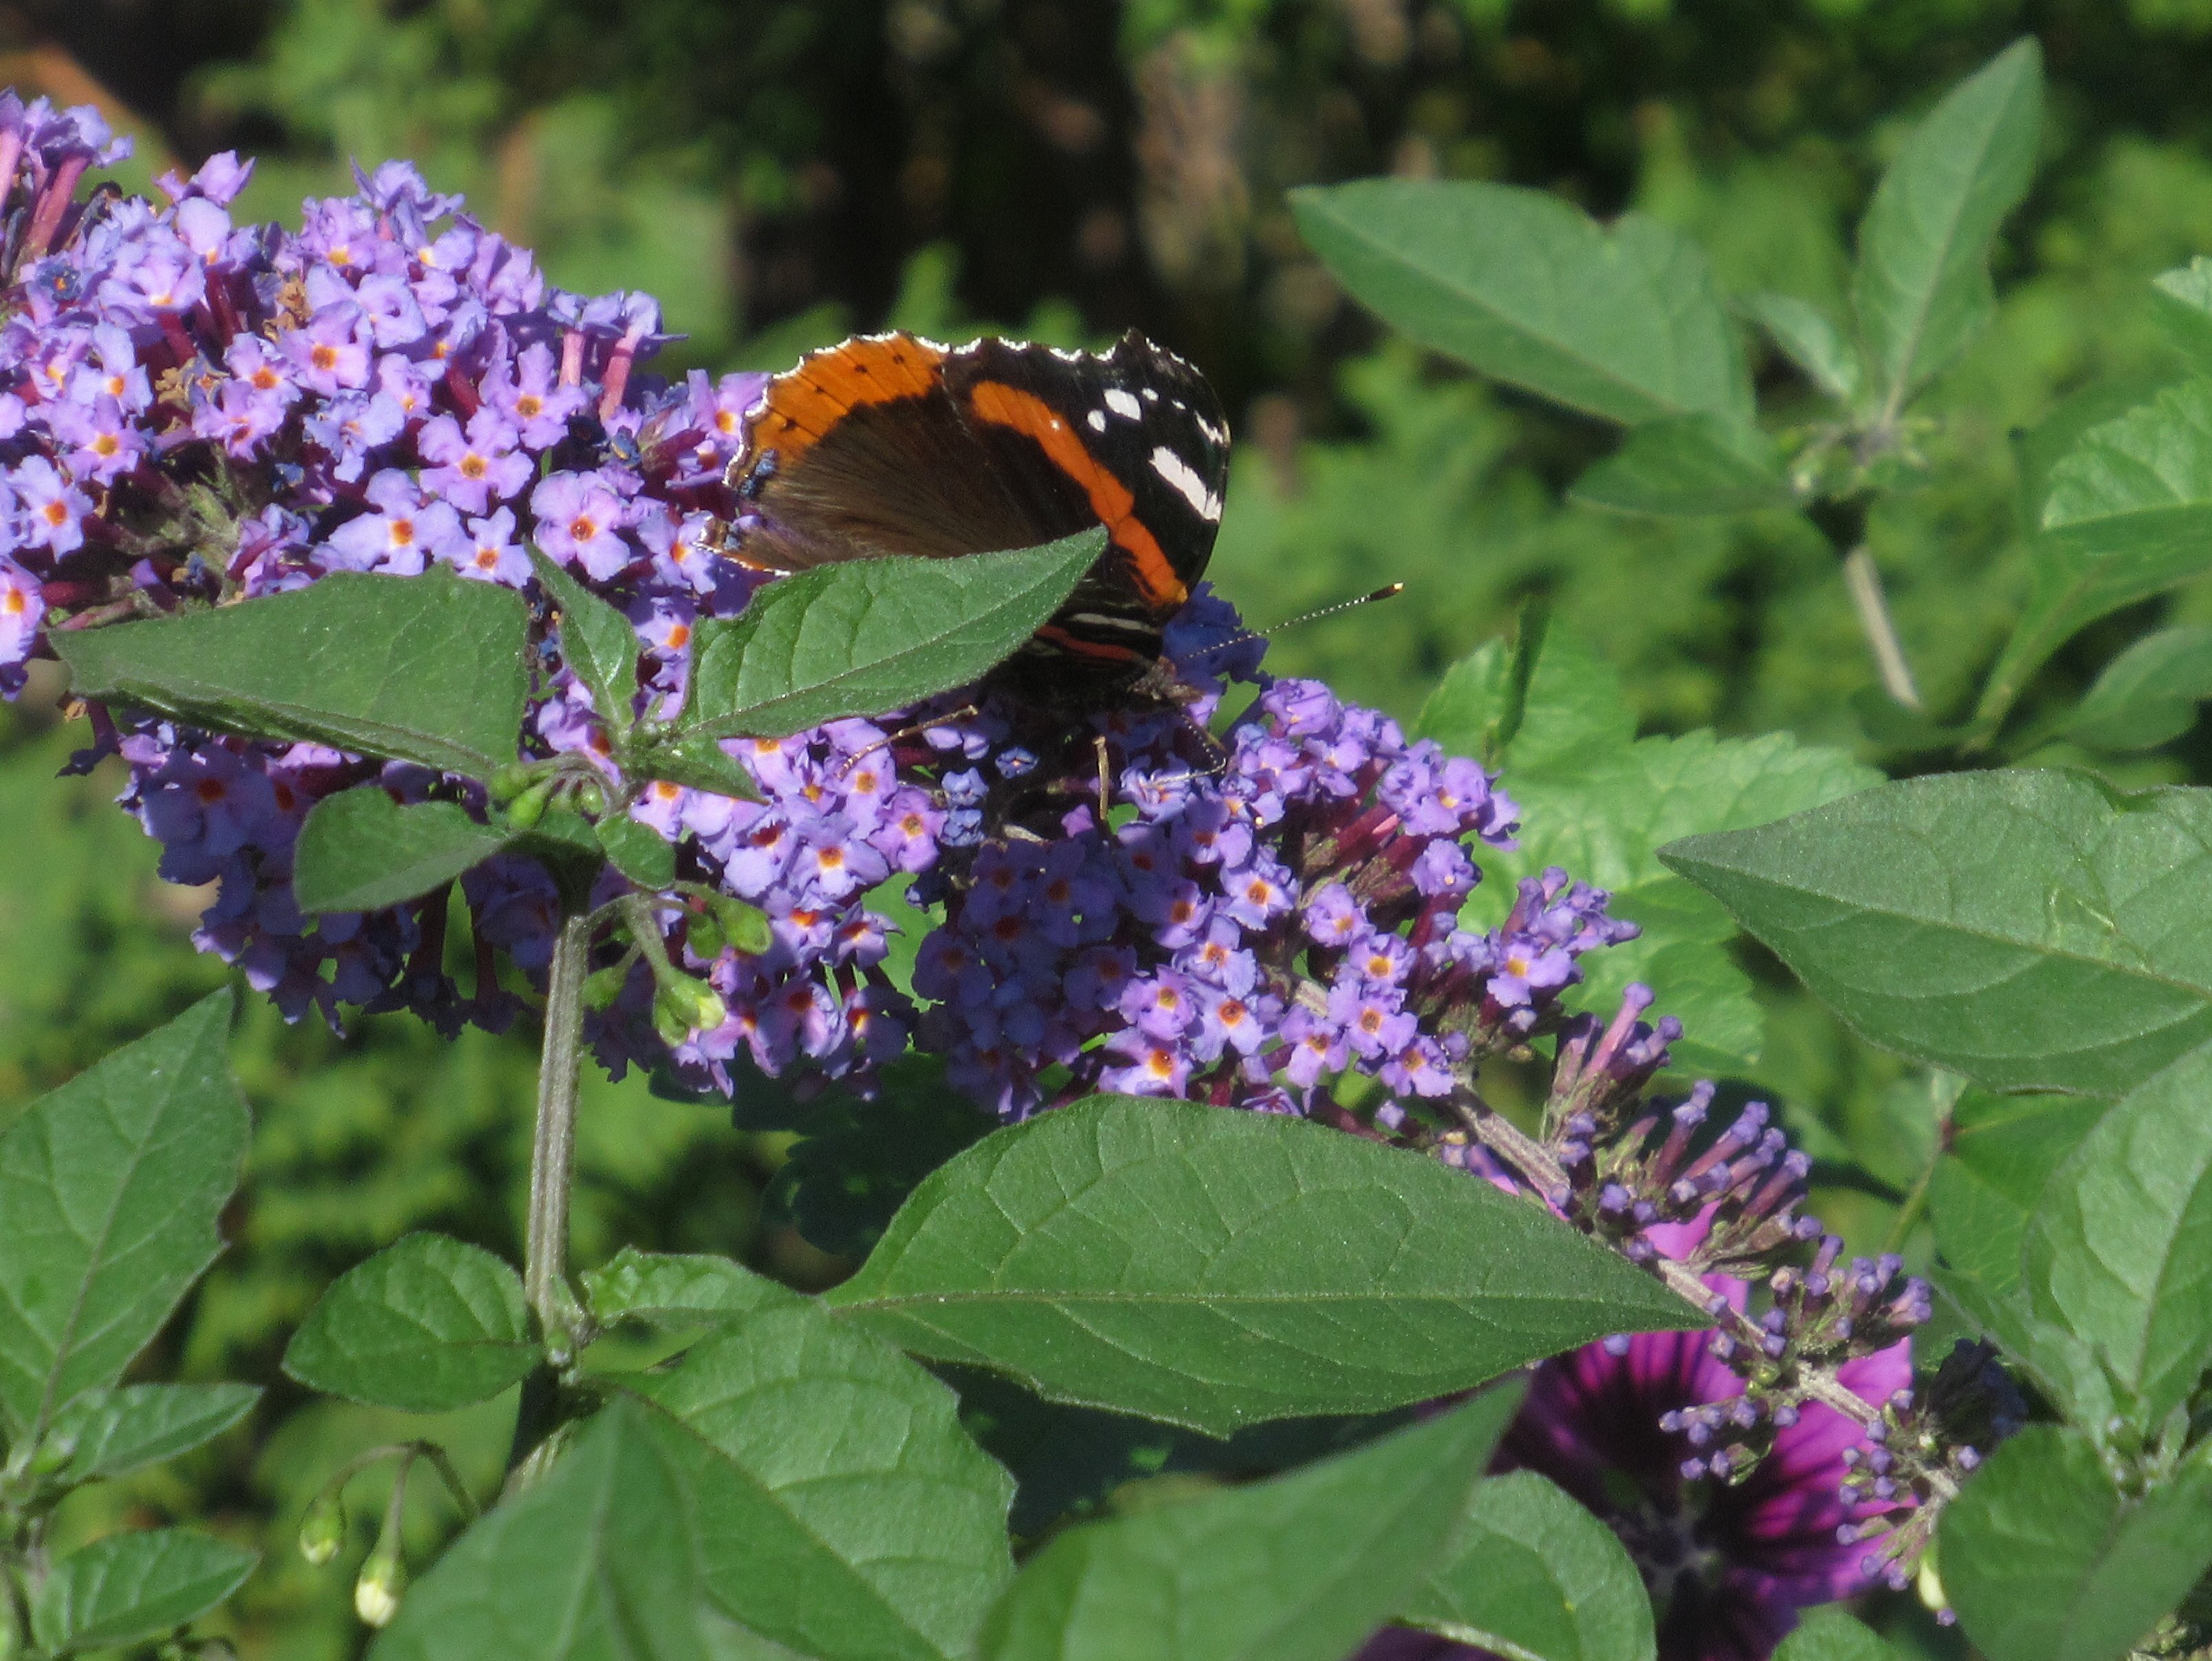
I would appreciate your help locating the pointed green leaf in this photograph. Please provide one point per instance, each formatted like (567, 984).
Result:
(427, 1325)
(1688, 467)
(1599, 802)
(677, 1291)
(1922, 289)
(111, 1187)
(130, 1587)
(1213, 1268)
(1531, 1576)
(2127, 515)
(2148, 695)
(112, 1433)
(2119, 1250)
(360, 850)
(873, 635)
(2182, 301)
(426, 669)
(838, 1507)
(1622, 321)
(1808, 337)
(597, 642)
(637, 850)
(1300, 1568)
(1828, 1635)
(699, 763)
(2045, 1559)
(2072, 962)
(594, 1562)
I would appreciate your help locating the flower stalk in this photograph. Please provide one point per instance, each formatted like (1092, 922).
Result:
(553, 1145)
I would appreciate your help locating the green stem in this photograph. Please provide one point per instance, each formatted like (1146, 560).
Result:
(1862, 577)
(553, 1151)
(1908, 1214)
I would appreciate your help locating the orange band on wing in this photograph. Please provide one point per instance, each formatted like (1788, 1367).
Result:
(804, 403)
(1009, 406)
(1076, 646)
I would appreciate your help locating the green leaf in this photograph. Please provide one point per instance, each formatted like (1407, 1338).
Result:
(597, 642)
(2127, 515)
(1809, 338)
(1624, 322)
(1600, 804)
(2000, 1153)
(2182, 301)
(426, 669)
(2031, 930)
(360, 850)
(111, 1186)
(838, 1507)
(699, 763)
(1300, 1568)
(676, 1292)
(1475, 709)
(1922, 289)
(112, 1433)
(130, 1587)
(637, 850)
(2045, 1559)
(873, 635)
(1688, 467)
(2148, 695)
(1213, 1268)
(1531, 1576)
(2119, 1251)
(427, 1325)
(1828, 1635)
(593, 1562)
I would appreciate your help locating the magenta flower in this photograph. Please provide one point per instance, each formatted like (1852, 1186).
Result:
(1727, 1565)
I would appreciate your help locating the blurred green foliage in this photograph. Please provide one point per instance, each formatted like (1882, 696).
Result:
(779, 170)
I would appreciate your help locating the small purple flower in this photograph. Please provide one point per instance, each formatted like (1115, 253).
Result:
(330, 355)
(579, 523)
(529, 394)
(22, 610)
(403, 532)
(52, 508)
(489, 551)
(104, 443)
(474, 469)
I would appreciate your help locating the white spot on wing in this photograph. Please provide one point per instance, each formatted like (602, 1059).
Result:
(1096, 421)
(1151, 394)
(1183, 480)
(1122, 404)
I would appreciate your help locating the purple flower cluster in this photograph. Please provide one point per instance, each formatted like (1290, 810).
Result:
(1246, 931)
(837, 822)
(193, 411)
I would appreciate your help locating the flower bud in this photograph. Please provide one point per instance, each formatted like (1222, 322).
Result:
(591, 798)
(383, 1577)
(322, 1530)
(526, 809)
(744, 926)
(603, 985)
(683, 1006)
(511, 780)
(1930, 1584)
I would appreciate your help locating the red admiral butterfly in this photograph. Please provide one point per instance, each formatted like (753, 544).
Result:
(890, 444)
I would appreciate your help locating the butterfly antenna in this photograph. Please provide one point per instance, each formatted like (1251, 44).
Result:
(1388, 590)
